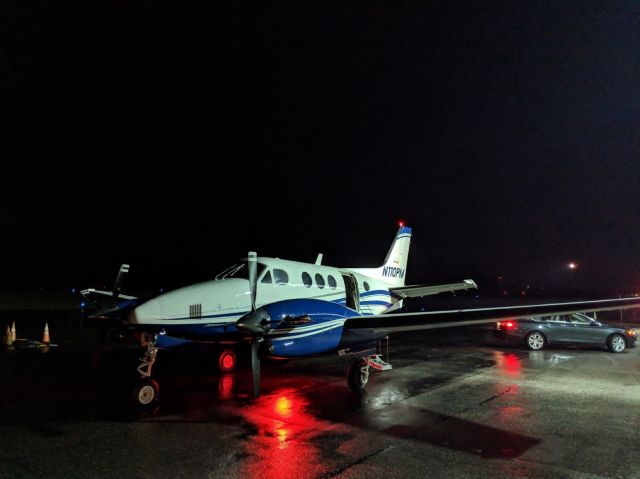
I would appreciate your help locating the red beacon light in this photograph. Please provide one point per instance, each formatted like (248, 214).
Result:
(401, 224)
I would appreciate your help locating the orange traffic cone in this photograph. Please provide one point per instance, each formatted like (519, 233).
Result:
(13, 332)
(8, 339)
(45, 334)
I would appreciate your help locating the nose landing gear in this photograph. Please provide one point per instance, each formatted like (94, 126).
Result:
(147, 391)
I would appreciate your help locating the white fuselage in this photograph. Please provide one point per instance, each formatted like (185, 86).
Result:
(227, 298)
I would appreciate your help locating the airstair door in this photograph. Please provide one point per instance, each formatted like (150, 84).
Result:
(351, 291)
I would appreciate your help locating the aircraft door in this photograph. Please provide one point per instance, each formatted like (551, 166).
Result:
(351, 291)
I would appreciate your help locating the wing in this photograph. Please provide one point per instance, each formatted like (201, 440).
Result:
(104, 298)
(396, 322)
(117, 310)
(111, 304)
(107, 304)
(418, 290)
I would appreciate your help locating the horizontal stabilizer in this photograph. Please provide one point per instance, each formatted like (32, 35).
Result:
(418, 290)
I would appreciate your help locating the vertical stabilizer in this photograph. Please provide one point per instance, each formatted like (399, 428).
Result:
(394, 269)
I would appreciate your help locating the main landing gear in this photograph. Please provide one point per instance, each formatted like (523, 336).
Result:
(358, 372)
(147, 392)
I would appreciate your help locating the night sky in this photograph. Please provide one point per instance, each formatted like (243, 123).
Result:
(178, 136)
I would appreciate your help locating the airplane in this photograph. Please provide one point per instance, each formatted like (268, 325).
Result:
(290, 309)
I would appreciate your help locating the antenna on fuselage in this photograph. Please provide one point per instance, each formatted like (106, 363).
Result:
(319, 259)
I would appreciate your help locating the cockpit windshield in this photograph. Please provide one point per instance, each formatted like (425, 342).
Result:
(239, 270)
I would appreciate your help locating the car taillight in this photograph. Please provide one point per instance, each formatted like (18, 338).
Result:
(509, 325)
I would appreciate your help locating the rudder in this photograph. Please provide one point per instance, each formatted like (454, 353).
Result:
(394, 269)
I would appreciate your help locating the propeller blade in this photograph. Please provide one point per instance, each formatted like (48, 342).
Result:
(255, 322)
(255, 367)
(253, 279)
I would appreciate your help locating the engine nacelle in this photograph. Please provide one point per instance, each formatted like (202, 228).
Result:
(300, 327)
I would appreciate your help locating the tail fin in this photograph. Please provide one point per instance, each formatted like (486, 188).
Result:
(394, 269)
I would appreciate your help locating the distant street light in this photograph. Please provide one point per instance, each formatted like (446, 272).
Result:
(572, 265)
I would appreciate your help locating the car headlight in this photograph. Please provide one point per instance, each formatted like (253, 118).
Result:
(631, 332)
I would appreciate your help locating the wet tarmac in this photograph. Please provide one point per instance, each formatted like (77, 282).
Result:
(457, 404)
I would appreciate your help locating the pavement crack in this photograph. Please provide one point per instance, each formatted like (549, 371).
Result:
(340, 470)
(496, 396)
(462, 411)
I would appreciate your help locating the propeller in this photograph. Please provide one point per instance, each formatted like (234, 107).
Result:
(252, 264)
(255, 322)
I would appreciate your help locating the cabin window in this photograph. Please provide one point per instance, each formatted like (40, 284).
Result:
(366, 286)
(280, 276)
(267, 278)
(332, 282)
(306, 279)
(319, 280)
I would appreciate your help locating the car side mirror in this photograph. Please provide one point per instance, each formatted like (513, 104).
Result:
(596, 323)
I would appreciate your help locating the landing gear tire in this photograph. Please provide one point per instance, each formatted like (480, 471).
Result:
(227, 361)
(358, 375)
(146, 394)
(616, 343)
(535, 341)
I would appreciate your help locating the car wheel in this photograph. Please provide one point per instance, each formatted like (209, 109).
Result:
(616, 343)
(535, 341)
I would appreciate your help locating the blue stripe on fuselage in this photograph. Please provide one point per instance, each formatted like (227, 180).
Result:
(379, 303)
(194, 332)
(384, 292)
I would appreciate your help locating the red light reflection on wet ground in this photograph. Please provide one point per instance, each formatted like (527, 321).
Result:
(226, 385)
(282, 446)
(511, 411)
(283, 406)
(508, 364)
